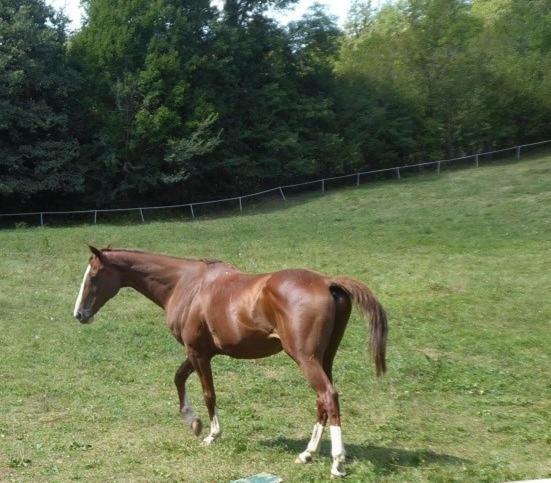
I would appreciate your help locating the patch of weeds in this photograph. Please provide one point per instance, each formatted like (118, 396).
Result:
(92, 465)
(174, 448)
(79, 446)
(162, 473)
(19, 463)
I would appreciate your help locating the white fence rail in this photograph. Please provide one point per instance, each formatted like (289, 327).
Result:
(239, 199)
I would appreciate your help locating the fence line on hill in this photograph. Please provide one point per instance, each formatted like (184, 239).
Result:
(279, 189)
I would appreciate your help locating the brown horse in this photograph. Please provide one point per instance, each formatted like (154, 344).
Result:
(213, 308)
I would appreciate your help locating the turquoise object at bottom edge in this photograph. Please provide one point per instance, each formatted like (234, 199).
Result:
(260, 478)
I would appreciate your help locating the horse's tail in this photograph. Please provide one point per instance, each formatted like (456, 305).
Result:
(373, 311)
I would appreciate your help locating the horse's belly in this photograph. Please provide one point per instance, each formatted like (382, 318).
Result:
(252, 347)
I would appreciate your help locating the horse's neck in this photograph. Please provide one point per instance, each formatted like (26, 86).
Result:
(154, 276)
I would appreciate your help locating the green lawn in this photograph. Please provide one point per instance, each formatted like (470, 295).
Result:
(462, 263)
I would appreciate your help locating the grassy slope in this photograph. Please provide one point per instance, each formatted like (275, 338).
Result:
(461, 263)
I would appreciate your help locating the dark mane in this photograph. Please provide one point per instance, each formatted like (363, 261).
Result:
(212, 261)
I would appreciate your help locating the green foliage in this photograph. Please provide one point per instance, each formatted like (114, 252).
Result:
(164, 101)
(446, 77)
(182, 150)
(517, 44)
(38, 153)
(142, 60)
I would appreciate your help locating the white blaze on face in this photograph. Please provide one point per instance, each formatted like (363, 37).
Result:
(79, 297)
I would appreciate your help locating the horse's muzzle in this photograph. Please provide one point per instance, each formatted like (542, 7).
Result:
(83, 317)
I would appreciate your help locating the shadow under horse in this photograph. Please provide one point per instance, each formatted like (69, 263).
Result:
(384, 460)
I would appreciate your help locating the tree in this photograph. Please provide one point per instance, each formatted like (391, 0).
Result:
(420, 61)
(142, 61)
(38, 153)
(273, 91)
(239, 12)
(380, 105)
(360, 17)
(517, 45)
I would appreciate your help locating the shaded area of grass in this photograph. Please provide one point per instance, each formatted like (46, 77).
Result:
(460, 261)
(384, 460)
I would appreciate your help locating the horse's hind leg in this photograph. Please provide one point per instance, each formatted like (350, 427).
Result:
(180, 378)
(342, 313)
(328, 409)
(315, 441)
(343, 307)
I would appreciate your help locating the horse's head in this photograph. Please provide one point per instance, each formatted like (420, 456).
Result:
(101, 282)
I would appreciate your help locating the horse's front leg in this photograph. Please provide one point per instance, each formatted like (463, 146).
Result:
(180, 378)
(204, 371)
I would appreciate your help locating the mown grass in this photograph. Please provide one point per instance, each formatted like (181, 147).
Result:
(461, 262)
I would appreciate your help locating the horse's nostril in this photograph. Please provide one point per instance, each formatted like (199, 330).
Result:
(78, 316)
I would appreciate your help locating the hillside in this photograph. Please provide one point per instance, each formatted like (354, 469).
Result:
(460, 261)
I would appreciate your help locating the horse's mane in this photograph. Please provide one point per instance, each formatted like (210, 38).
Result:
(207, 260)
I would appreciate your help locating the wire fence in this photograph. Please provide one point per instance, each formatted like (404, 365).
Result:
(279, 190)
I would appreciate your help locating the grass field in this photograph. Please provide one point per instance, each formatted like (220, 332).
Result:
(462, 262)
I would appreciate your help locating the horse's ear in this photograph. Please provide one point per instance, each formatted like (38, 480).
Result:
(96, 252)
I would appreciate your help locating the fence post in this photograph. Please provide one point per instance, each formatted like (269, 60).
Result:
(357, 179)
(192, 213)
(95, 217)
(323, 186)
(518, 152)
(438, 168)
(476, 160)
(41, 220)
(282, 195)
(398, 173)
(240, 206)
(141, 214)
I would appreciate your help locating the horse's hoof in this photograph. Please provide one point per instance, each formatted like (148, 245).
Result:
(337, 468)
(304, 458)
(197, 427)
(337, 472)
(208, 441)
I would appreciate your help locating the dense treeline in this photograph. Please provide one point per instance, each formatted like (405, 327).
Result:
(166, 100)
